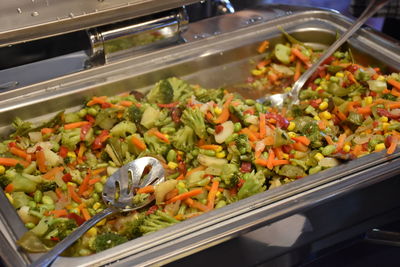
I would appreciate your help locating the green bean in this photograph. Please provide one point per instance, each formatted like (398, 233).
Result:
(182, 209)
(37, 196)
(35, 213)
(231, 138)
(173, 176)
(207, 152)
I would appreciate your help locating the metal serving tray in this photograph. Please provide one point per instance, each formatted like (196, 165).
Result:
(216, 54)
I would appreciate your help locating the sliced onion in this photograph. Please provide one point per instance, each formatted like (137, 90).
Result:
(252, 119)
(228, 129)
(283, 69)
(328, 162)
(162, 189)
(35, 136)
(362, 139)
(211, 161)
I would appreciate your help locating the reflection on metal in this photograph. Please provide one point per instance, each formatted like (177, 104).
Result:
(114, 41)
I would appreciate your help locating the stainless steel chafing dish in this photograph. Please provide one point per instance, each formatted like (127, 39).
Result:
(212, 52)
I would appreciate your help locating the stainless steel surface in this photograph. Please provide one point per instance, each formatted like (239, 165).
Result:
(293, 96)
(23, 20)
(118, 194)
(116, 41)
(211, 60)
(383, 237)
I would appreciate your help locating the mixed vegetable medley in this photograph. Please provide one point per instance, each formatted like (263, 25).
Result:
(216, 146)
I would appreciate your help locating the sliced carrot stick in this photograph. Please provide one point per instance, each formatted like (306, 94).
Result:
(47, 130)
(224, 116)
(146, 190)
(271, 158)
(212, 193)
(262, 125)
(394, 105)
(392, 146)
(197, 205)
(86, 214)
(59, 193)
(278, 152)
(297, 71)
(340, 142)
(200, 168)
(82, 149)
(94, 180)
(278, 162)
(210, 147)
(300, 147)
(262, 162)
(305, 59)
(302, 139)
(269, 140)
(364, 110)
(98, 171)
(394, 83)
(9, 161)
(85, 184)
(262, 64)
(51, 173)
(322, 124)
(73, 194)
(59, 213)
(168, 105)
(180, 177)
(20, 153)
(73, 125)
(126, 103)
(9, 188)
(252, 136)
(329, 140)
(41, 161)
(186, 195)
(394, 92)
(263, 46)
(97, 100)
(138, 143)
(159, 135)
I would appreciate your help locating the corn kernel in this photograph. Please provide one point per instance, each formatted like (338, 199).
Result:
(317, 118)
(368, 100)
(326, 115)
(218, 194)
(380, 78)
(346, 148)
(166, 136)
(218, 149)
(291, 126)
(285, 156)
(181, 184)
(96, 205)
(259, 72)
(385, 126)
(10, 198)
(384, 119)
(379, 147)
(2, 169)
(220, 155)
(323, 105)
(179, 152)
(292, 134)
(217, 110)
(92, 231)
(339, 74)
(319, 156)
(71, 154)
(102, 222)
(318, 88)
(70, 183)
(172, 165)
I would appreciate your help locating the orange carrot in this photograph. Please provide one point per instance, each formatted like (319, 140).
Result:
(351, 77)
(392, 146)
(269, 140)
(300, 147)
(197, 205)
(301, 56)
(59, 193)
(302, 139)
(85, 184)
(73, 194)
(211, 194)
(394, 105)
(94, 180)
(85, 214)
(210, 147)
(146, 190)
(395, 93)
(271, 158)
(59, 213)
(9, 188)
(47, 130)
(329, 140)
(200, 168)
(297, 72)
(51, 173)
(160, 135)
(262, 125)
(173, 193)
(186, 195)
(357, 151)
(364, 110)
(9, 161)
(280, 162)
(262, 162)
(180, 177)
(252, 136)
(126, 103)
(74, 125)
(81, 150)
(322, 125)
(262, 64)
(340, 142)
(263, 46)
(20, 153)
(138, 143)
(278, 152)
(97, 100)
(41, 161)
(98, 171)
(224, 116)
(394, 83)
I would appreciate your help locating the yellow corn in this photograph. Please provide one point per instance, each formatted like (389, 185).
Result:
(368, 100)
(10, 198)
(339, 74)
(380, 78)
(96, 205)
(291, 126)
(172, 165)
(323, 105)
(179, 152)
(285, 156)
(218, 194)
(292, 134)
(92, 231)
(319, 88)
(317, 118)
(102, 222)
(181, 185)
(2, 169)
(319, 156)
(217, 110)
(379, 147)
(346, 148)
(326, 115)
(220, 155)
(385, 126)
(259, 72)
(218, 149)
(384, 119)
(71, 154)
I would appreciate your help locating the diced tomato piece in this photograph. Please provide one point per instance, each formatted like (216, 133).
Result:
(67, 177)
(63, 152)
(106, 105)
(90, 118)
(78, 219)
(219, 128)
(152, 209)
(84, 130)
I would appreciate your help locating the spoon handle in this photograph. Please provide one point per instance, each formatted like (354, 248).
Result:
(371, 9)
(49, 257)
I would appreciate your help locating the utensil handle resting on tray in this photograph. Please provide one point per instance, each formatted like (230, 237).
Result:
(371, 9)
(50, 256)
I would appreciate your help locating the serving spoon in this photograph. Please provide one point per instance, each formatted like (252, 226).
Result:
(118, 195)
(277, 100)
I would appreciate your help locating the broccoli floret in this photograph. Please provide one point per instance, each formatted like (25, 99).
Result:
(47, 186)
(106, 118)
(108, 240)
(21, 127)
(133, 114)
(243, 144)
(229, 175)
(156, 221)
(122, 128)
(182, 90)
(237, 112)
(162, 92)
(253, 184)
(184, 139)
(64, 227)
(4, 181)
(70, 138)
(131, 229)
(155, 145)
(206, 95)
(195, 120)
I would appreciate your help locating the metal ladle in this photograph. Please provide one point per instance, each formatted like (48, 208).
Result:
(277, 100)
(118, 195)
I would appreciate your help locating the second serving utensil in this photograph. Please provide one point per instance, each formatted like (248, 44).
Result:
(278, 100)
(118, 194)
